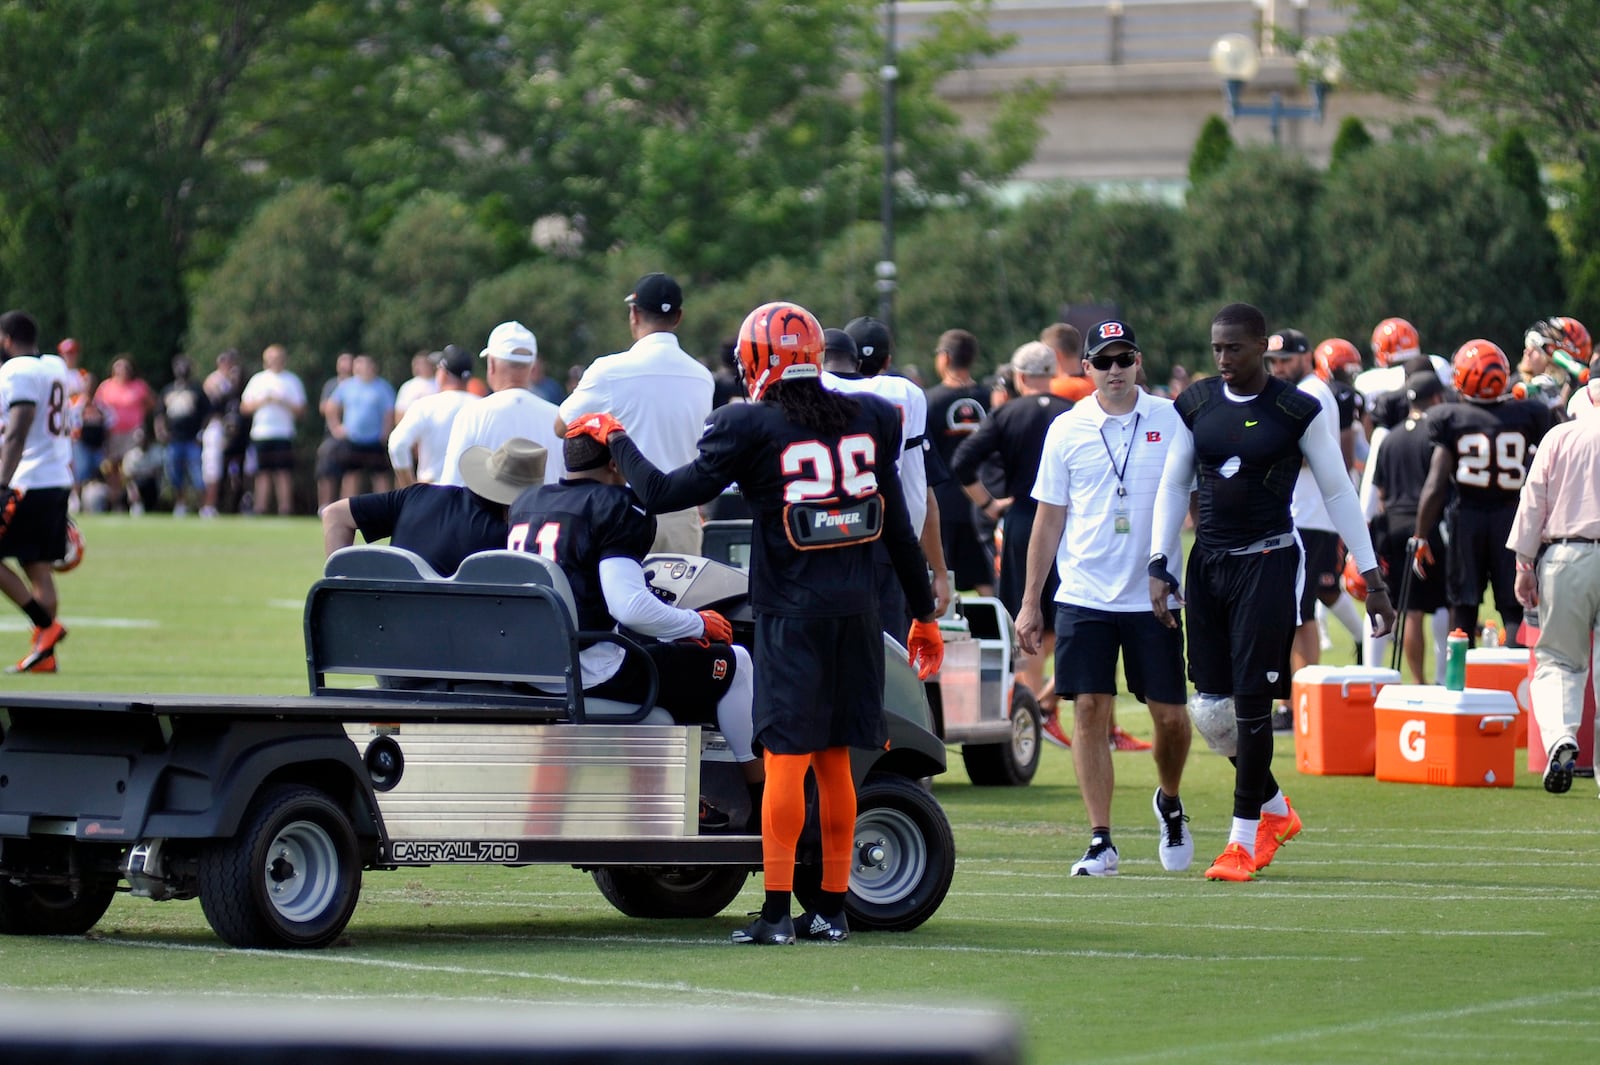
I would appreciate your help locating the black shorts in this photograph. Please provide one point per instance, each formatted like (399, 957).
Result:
(1241, 621)
(1389, 541)
(819, 683)
(274, 455)
(38, 528)
(1479, 558)
(693, 680)
(1018, 525)
(965, 553)
(1087, 642)
(364, 458)
(1323, 559)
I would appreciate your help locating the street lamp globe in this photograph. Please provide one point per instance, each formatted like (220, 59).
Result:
(1234, 57)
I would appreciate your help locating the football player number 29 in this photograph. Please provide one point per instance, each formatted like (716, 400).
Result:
(821, 473)
(1501, 461)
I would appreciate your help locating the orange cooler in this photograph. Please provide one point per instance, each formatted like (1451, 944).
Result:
(1431, 735)
(1334, 733)
(1505, 668)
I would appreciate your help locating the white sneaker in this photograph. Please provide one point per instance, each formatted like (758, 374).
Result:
(208, 512)
(1176, 845)
(1099, 860)
(179, 510)
(1558, 772)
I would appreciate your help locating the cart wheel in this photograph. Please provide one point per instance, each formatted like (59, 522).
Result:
(681, 891)
(289, 878)
(53, 910)
(1013, 763)
(903, 858)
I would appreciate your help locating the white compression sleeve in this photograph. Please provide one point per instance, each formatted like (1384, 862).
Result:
(1321, 450)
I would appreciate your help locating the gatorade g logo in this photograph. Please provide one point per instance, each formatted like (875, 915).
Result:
(1414, 740)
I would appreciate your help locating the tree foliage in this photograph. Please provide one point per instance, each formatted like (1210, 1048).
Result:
(1512, 157)
(1212, 150)
(1351, 140)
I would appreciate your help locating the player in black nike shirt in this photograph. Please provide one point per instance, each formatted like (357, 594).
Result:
(1483, 446)
(1245, 441)
(818, 470)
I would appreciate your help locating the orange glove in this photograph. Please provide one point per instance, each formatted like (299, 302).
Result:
(717, 628)
(926, 646)
(598, 426)
(1421, 556)
(9, 497)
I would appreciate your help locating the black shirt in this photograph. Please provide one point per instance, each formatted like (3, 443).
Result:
(1247, 459)
(185, 410)
(1402, 469)
(777, 463)
(1350, 402)
(1016, 434)
(1492, 444)
(577, 524)
(442, 523)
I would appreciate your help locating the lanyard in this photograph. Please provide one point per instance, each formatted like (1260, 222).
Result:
(1133, 434)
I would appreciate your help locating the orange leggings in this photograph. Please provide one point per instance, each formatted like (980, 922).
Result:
(783, 815)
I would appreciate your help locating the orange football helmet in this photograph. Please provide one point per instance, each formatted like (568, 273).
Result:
(1335, 354)
(1354, 582)
(1563, 334)
(1482, 371)
(778, 342)
(1395, 340)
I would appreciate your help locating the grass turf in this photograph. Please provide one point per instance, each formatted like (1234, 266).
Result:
(1406, 922)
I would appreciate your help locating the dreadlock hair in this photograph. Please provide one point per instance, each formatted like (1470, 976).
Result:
(805, 402)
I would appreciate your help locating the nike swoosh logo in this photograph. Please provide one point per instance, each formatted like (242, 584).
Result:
(1251, 425)
(1258, 728)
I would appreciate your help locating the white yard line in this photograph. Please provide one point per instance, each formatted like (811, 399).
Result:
(22, 624)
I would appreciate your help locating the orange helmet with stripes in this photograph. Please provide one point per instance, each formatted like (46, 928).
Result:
(1335, 354)
(1563, 334)
(778, 342)
(1482, 370)
(1395, 340)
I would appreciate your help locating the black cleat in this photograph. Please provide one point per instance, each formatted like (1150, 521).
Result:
(1558, 774)
(765, 933)
(820, 929)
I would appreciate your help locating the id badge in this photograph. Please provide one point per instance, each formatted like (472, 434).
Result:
(1120, 523)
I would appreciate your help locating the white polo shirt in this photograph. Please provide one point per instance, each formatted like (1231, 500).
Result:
(492, 420)
(659, 393)
(1084, 448)
(47, 449)
(277, 391)
(426, 427)
(1306, 507)
(912, 404)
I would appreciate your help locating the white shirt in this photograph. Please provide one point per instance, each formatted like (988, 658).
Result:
(1392, 378)
(426, 427)
(659, 393)
(912, 404)
(493, 420)
(414, 389)
(276, 392)
(1083, 450)
(1307, 508)
(47, 449)
(1585, 399)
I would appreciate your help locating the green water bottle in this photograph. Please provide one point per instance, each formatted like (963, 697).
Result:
(1455, 667)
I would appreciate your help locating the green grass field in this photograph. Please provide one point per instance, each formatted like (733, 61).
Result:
(1406, 923)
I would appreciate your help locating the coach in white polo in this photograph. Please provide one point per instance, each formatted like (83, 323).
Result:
(1096, 490)
(510, 411)
(658, 391)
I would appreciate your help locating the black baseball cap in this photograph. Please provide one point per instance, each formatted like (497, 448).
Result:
(838, 342)
(456, 363)
(874, 342)
(656, 293)
(1109, 332)
(1286, 342)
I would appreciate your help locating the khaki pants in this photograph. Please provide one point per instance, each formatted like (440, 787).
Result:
(678, 533)
(1569, 616)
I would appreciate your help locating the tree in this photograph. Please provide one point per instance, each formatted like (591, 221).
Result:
(1583, 267)
(1212, 150)
(1512, 157)
(1351, 139)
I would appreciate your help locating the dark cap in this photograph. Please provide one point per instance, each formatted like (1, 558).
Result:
(456, 363)
(1107, 333)
(1286, 342)
(657, 294)
(874, 342)
(1424, 384)
(838, 342)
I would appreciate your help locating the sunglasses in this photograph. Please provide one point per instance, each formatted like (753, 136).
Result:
(1105, 362)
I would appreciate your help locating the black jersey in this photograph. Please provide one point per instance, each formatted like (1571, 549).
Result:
(1247, 458)
(954, 413)
(782, 467)
(1351, 403)
(577, 524)
(1492, 444)
(1402, 468)
(1016, 433)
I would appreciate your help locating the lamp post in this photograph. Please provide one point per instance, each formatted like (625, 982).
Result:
(1236, 60)
(889, 73)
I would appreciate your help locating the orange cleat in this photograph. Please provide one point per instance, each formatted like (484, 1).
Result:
(46, 664)
(1275, 831)
(1051, 726)
(1234, 863)
(1125, 741)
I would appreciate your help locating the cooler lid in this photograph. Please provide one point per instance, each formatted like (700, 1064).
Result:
(1499, 656)
(1436, 699)
(1346, 675)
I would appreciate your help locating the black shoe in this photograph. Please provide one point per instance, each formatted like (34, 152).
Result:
(822, 929)
(1282, 719)
(712, 818)
(1558, 774)
(765, 933)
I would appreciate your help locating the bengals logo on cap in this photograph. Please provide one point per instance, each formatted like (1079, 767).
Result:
(1109, 330)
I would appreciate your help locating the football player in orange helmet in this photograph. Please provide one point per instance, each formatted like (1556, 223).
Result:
(1482, 371)
(1337, 358)
(1555, 360)
(1395, 340)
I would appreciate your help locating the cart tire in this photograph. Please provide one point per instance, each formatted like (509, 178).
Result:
(53, 909)
(680, 891)
(1011, 764)
(903, 858)
(289, 878)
